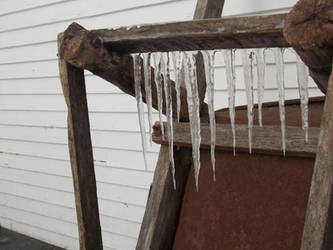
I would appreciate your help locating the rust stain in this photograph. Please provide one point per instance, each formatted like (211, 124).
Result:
(270, 113)
(257, 202)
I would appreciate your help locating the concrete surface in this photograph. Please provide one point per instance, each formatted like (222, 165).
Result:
(10, 240)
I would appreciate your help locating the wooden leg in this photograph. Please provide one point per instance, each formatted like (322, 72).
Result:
(318, 228)
(163, 206)
(81, 156)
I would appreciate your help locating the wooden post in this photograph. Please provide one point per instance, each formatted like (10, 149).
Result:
(81, 156)
(318, 228)
(162, 210)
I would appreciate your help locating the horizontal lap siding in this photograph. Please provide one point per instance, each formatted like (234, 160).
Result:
(9, 7)
(36, 190)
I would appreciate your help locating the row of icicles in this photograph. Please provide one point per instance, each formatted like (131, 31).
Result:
(184, 68)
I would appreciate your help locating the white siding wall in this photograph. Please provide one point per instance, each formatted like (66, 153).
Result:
(36, 192)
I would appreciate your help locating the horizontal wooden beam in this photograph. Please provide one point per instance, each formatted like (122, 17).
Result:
(266, 139)
(99, 51)
(239, 32)
(84, 49)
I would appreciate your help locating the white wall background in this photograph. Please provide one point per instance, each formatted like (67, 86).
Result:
(36, 191)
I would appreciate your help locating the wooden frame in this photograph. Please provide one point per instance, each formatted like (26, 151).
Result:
(87, 49)
(265, 140)
(81, 156)
(318, 227)
(105, 53)
(218, 33)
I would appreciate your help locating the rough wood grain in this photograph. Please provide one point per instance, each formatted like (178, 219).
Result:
(162, 210)
(85, 49)
(266, 139)
(308, 29)
(225, 33)
(318, 228)
(81, 156)
(161, 217)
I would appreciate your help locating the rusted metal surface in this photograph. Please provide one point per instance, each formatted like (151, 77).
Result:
(270, 113)
(257, 202)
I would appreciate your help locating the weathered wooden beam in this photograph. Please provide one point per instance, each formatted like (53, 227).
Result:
(239, 32)
(81, 156)
(266, 140)
(318, 227)
(308, 29)
(85, 49)
(163, 205)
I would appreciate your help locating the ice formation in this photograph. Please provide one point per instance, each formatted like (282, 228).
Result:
(177, 71)
(261, 66)
(193, 110)
(165, 65)
(247, 57)
(229, 61)
(184, 68)
(278, 54)
(147, 75)
(209, 73)
(302, 79)
(138, 95)
(158, 82)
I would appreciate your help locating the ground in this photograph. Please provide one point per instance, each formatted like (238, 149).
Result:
(10, 240)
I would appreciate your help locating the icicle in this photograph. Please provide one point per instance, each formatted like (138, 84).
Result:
(302, 79)
(158, 82)
(176, 66)
(248, 79)
(147, 73)
(261, 64)
(165, 63)
(193, 110)
(229, 60)
(138, 94)
(278, 54)
(209, 72)
(182, 71)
